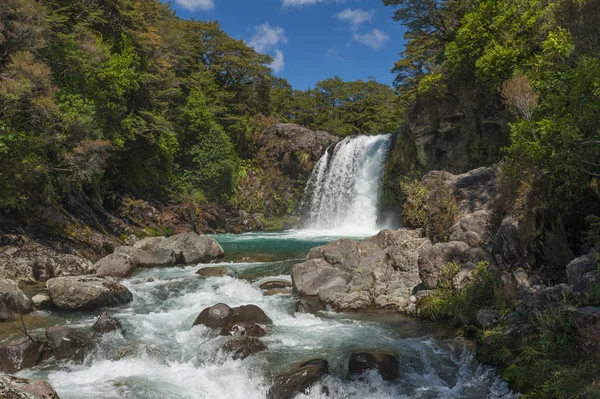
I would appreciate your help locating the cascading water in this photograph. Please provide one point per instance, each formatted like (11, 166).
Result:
(344, 189)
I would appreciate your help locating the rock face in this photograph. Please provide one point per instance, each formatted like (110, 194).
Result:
(116, 265)
(488, 318)
(299, 379)
(433, 258)
(381, 271)
(78, 293)
(26, 260)
(217, 271)
(191, 248)
(582, 271)
(221, 315)
(20, 388)
(106, 324)
(21, 354)
(241, 347)
(13, 298)
(67, 344)
(385, 363)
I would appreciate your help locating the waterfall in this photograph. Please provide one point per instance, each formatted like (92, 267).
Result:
(343, 191)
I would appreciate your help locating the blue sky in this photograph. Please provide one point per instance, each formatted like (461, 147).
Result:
(310, 40)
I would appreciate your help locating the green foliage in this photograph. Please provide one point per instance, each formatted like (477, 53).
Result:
(414, 209)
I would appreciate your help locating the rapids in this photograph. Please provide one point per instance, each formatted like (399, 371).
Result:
(161, 356)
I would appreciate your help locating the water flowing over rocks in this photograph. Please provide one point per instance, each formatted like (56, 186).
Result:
(106, 324)
(241, 347)
(243, 329)
(221, 315)
(385, 363)
(79, 293)
(20, 388)
(299, 379)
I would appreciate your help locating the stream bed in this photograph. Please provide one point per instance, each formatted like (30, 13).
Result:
(160, 355)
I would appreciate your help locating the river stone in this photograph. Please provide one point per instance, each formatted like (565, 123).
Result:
(20, 388)
(21, 354)
(216, 271)
(278, 291)
(433, 258)
(67, 344)
(164, 257)
(140, 257)
(42, 301)
(116, 265)
(191, 248)
(242, 347)
(106, 324)
(87, 292)
(149, 244)
(243, 329)
(310, 277)
(13, 297)
(221, 315)
(385, 363)
(298, 380)
(275, 284)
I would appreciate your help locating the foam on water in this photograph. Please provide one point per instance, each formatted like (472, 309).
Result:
(161, 355)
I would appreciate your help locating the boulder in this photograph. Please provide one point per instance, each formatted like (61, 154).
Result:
(488, 318)
(433, 258)
(13, 298)
(241, 347)
(278, 291)
(191, 248)
(216, 271)
(385, 363)
(243, 329)
(221, 315)
(298, 380)
(116, 265)
(275, 284)
(21, 354)
(149, 244)
(106, 324)
(582, 272)
(310, 277)
(164, 258)
(20, 388)
(6, 314)
(87, 292)
(140, 257)
(42, 301)
(67, 344)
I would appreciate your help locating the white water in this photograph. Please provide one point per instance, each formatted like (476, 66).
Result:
(160, 354)
(343, 192)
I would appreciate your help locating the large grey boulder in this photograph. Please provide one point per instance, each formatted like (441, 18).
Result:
(433, 258)
(20, 388)
(13, 298)
(147, 259)
(149, 244)
(87, 292)
(582, 272)
(67, 344)
(299, 379)
(191, 248)
(379, 272)
(240, 348)
(21, 354)
(116, 265)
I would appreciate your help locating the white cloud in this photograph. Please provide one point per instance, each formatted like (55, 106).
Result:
(193, 5)
(334, 54)
(355, 17)
(278, 62)
(301, 3)
(375, 38)
(266, 38)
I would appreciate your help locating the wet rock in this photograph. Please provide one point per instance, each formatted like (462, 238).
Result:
(191, 248)
(116, 265)
(67, 344)
(20, 388)
(42, 301)
(221, 315)
(22, 354)
(106, 324)
(275, 284)
(13, 298)
(310, 305)
(488, 318)
(435, 257)
(87, 292)
(243, 329)
(278, 291)
(298, 380)
(149, 244)
(385, 363)
(217, 271)
(242, 347)
(582, 271)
